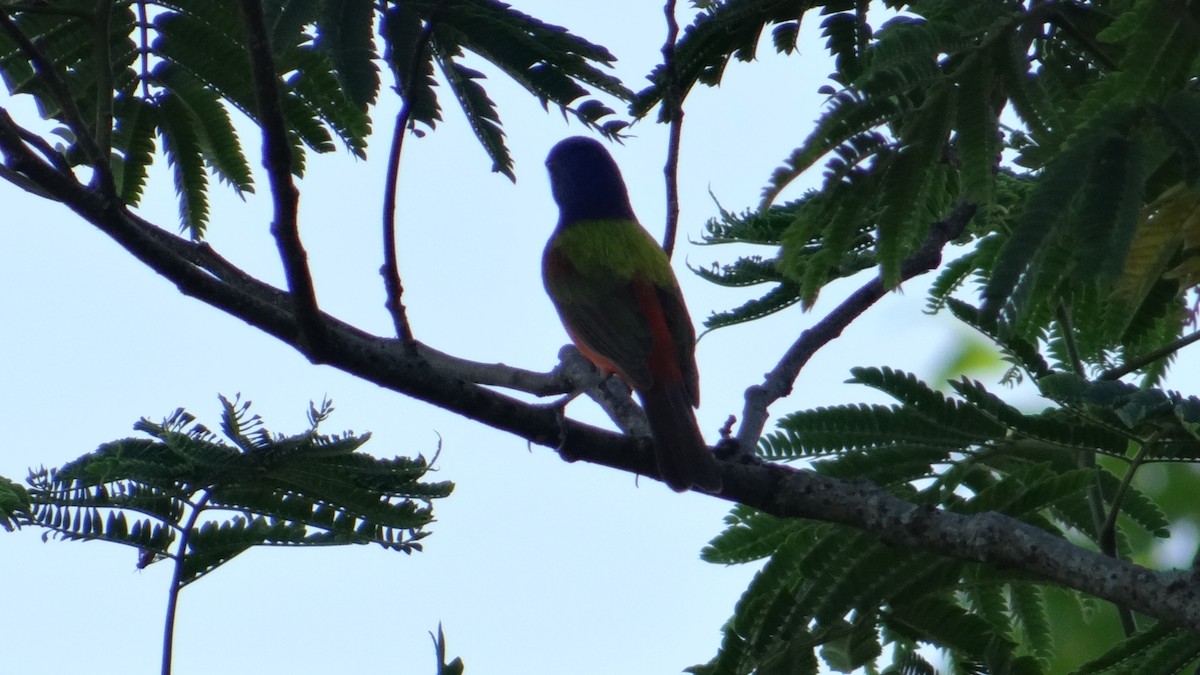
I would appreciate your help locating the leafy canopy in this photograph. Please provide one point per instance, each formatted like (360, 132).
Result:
(1070, 129)
(1060, 139)
(165, 495)
(173, 71)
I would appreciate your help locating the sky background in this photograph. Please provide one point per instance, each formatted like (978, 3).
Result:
(534, 565)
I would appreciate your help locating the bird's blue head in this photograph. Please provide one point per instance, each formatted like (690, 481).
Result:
(586, 182)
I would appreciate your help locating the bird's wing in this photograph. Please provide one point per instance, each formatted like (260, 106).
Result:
(682, 337)
(604, 316)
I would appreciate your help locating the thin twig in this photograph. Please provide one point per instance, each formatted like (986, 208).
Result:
(144, 47)
(177, 581)
(778, 383)
(1108, 530)
(104, 77)
(41, 145)
(673, 112)
(1087, 458)
(1066, 327)
(861, 8)
(1095, 502)
(1144, 360)
(391, 258)
(277, 159)
(23, 182)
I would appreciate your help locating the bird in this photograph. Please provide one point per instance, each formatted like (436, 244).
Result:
(620, 303)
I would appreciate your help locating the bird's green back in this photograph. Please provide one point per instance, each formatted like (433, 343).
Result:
(613, 248)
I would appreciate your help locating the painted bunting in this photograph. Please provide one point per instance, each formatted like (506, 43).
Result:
(620, 302)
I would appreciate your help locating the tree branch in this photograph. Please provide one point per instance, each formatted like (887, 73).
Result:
(144, 47)
(1066, 329)
(990, 538)
(773, 488)
(1144, 360)
(672, 111)
(277, 159)
(391, 262)
(778, 383)
(175, 258)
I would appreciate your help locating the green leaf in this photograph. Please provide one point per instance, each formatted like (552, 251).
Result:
(750, 535)
(1018, 349)
(910, 188)
(1044, 210)
(181, 144)
(403, 32)
(317, 94)
(480, 110)
(137, 123)
(1159, 649)
(214, 131)
(345, 31)
(1109, 208)
(14, 504)
(308, 489)
(943, 622)
(1029, 612)
(777, 299)
(932, 405)
(1024, 493)
(886, 465)
(847, 117)
(978, 129)
(726, 30)
(547, 60)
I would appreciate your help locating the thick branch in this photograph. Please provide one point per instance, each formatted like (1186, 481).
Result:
(277, 159)
(778, 383)
(990, 538)
(777, 489)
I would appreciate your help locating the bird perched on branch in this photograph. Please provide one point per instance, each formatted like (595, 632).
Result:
(620, 302)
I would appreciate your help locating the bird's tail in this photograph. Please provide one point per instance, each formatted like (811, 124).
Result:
(684, 459)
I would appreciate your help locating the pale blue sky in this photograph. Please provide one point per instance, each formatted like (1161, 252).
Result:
(535, 565)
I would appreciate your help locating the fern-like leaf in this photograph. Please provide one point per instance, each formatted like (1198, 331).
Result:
(137, 122)
(480, 110)
(185, 155)
(930, 404)
(1159, 649)
(1029, 611)
(402, 31)
(345, 31)
(308, 489)
(749, 535)
(725, 30)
